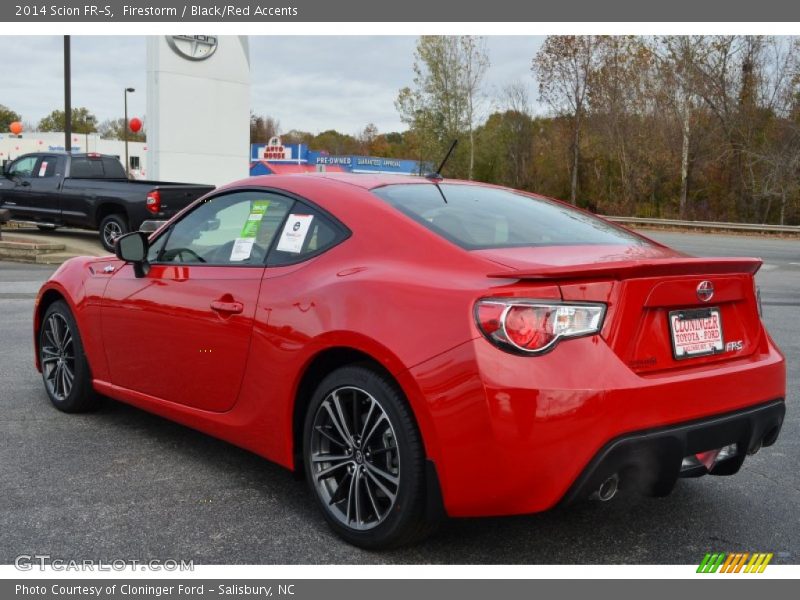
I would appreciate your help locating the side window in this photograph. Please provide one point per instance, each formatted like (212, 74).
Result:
(85, 168)
(24, 167)
(306, 233)
(231, 229)
(46, 167)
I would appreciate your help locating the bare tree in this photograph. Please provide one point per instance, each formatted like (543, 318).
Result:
(475, 61)
(676, 56)
(563, 67)
(262, 128)
(519, 133)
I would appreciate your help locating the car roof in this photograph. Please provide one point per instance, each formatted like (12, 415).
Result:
(367, 181)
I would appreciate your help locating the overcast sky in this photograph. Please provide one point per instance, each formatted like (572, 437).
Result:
(308, 83)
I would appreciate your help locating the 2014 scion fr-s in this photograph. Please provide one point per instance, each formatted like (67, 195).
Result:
(419, 346)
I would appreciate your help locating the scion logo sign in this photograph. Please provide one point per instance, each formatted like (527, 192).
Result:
(705, 291)
(193, 47)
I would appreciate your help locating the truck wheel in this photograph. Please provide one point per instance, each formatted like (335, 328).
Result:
(111, 228)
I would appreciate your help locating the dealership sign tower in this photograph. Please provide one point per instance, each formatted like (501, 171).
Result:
(195, 84)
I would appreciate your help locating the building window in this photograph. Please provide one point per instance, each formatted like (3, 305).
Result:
(134, 160)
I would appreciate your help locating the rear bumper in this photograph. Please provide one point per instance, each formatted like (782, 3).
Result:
(651, 460)
(515, 435)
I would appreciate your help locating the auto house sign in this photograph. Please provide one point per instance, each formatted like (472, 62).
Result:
(193, 47)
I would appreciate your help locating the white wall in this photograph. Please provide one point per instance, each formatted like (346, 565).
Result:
(198, 112)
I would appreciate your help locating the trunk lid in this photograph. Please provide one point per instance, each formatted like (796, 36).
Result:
(660, 315)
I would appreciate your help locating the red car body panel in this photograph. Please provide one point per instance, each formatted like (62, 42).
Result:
(520, 427)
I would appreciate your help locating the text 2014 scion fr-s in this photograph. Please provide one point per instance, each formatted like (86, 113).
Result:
(421, 347)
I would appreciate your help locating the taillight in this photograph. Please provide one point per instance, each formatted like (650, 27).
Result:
(533, 326)
(153, 202)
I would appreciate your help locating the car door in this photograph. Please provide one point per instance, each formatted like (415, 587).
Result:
(16, 187)
(182, 332)
(43, 193)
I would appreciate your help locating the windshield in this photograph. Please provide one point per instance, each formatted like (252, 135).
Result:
(476, 217)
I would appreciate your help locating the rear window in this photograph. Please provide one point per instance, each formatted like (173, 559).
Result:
(96, 168)
(476, 217)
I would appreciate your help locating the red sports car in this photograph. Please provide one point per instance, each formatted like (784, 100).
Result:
(420, 347)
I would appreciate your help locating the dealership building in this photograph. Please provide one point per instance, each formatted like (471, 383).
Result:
(275, 158)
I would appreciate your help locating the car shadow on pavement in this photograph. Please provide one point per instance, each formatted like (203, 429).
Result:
(162, 486)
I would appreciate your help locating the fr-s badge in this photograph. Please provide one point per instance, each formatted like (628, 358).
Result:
(734, 346)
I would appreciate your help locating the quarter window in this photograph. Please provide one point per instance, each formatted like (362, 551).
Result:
(306, 233)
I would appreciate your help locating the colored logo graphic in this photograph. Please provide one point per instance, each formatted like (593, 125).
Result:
(735, 562)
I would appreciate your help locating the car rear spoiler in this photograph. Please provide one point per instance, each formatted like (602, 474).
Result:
(638, 268)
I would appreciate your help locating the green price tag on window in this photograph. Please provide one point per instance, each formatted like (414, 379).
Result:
(257, 212)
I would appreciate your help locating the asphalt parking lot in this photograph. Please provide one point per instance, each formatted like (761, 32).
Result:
(122, 484)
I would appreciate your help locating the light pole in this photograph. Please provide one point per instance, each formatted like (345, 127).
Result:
(125, 127)
(67, 96)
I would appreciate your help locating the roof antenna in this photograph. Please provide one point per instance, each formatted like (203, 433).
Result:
(437, 174)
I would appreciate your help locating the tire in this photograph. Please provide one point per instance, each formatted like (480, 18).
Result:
(388, 442)
(111, 227)
(61, 353)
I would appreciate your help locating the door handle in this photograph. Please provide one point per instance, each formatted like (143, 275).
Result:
(229, 308)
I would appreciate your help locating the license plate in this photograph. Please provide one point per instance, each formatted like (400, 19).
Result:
(696, 332)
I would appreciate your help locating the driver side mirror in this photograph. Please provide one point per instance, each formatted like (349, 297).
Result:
(132, 248)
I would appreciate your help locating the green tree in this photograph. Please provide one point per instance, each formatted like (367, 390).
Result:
(443, 102)
(83, 121)
(7, 117)
(335, 142)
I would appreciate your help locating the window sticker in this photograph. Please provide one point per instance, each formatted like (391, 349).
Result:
(243, 245)
(242, 249)
(294, 233)
(43, 169)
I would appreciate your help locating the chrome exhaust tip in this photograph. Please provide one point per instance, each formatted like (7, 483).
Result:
(608, 489)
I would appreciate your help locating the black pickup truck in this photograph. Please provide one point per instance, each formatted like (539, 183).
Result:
(89, 191)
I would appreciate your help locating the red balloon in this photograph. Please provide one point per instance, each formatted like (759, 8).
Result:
(15, 127)
(135, 124)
